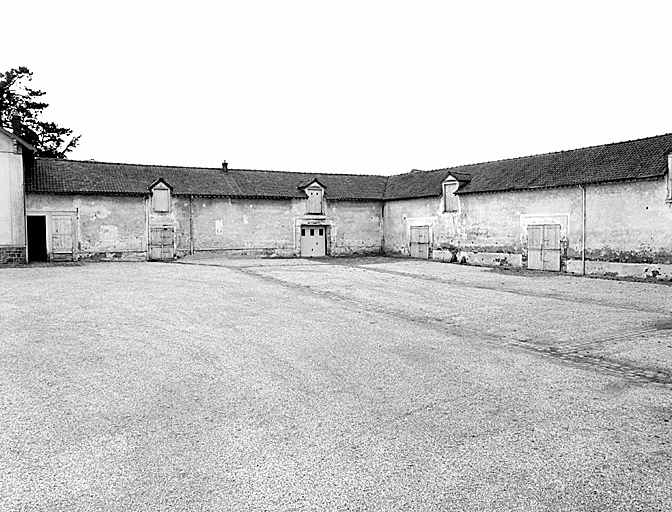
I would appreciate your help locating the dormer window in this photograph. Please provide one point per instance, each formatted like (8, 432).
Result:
(160, 197)
(450, 200)
(315, 200)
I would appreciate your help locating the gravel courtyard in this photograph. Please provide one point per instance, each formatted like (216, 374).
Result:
(344, 384)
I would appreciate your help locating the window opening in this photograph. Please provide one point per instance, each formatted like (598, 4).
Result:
(160, 200)
(450, 200)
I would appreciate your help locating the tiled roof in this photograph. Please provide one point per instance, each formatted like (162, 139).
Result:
(631, 160)
(415, 184)
(637, 159)
(89, 177)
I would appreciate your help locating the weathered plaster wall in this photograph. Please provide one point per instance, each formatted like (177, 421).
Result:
(629, 223)
(242, 225)
(273, 227)
(444, 228)
(498, 222)
(625, 222)
(107, 226)
(356, 227)
(12, 223)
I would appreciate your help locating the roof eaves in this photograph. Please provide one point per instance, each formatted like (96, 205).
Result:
(650, 177)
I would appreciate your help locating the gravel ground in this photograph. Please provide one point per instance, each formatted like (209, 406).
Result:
(370, 384)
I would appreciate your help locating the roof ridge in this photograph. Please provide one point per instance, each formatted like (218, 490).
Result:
(41, 158)
(549, 153)
(311, 173)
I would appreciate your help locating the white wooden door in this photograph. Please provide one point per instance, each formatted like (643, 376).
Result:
(543, 247)
(313, 241)
(420, 242)
(62, 237)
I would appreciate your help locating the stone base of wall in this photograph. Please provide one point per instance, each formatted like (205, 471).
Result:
(251, 252)
(443, 255)
(12, 255)
(490, 259)
(354, 252)
(655, 271)
(113, 256)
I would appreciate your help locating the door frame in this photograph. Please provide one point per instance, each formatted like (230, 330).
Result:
(46, 236)
(424, 253)
(48, 214)
(324, 235)
(544, 263)
(150, 245)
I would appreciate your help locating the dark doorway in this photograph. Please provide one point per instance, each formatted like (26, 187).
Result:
(37, 238)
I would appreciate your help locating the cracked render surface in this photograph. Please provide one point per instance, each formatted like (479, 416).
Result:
(369, 384)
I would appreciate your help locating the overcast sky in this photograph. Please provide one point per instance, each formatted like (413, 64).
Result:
(376, 87)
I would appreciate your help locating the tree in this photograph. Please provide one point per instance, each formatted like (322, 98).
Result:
(20, 111)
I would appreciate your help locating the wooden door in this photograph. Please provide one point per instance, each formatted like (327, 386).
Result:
(535, 244)
(313, 241)
(543, 247)
(62, 238)
(420, 242)
(161, 243)
(551, 253)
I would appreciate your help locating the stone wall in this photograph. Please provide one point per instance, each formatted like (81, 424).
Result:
(10, 255)
(107, 227)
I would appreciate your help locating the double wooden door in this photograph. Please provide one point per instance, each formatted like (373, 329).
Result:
(161, 243)
(543, 247)
(420, 242)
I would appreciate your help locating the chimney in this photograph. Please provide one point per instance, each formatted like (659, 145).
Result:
(16, 125)
(225, 166)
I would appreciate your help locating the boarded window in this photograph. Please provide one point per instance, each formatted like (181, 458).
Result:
(161, 200)
(450, 200)
(314, 200)
(219, 227)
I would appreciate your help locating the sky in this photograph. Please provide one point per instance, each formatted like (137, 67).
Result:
(364, 87)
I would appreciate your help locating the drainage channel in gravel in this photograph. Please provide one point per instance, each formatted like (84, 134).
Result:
(565, 353)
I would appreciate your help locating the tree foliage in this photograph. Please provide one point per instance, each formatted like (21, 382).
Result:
(21, 108)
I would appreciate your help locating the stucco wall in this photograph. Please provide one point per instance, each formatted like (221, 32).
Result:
(107, 226)
(242, 225)
(629, 222)
(272, 226)
(356, 227)
(12, 223)
(626, 222)
(400, 216)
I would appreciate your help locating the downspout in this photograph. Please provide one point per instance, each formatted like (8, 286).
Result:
(583, 230)
(382, 228)
(191, 225)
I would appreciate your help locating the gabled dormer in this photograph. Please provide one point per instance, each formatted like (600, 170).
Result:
(450, 185)
(161, 195)
(315, 200)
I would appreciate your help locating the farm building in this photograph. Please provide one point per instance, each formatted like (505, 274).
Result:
(603, 209)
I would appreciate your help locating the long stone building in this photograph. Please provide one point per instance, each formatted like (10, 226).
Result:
(604, 209)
